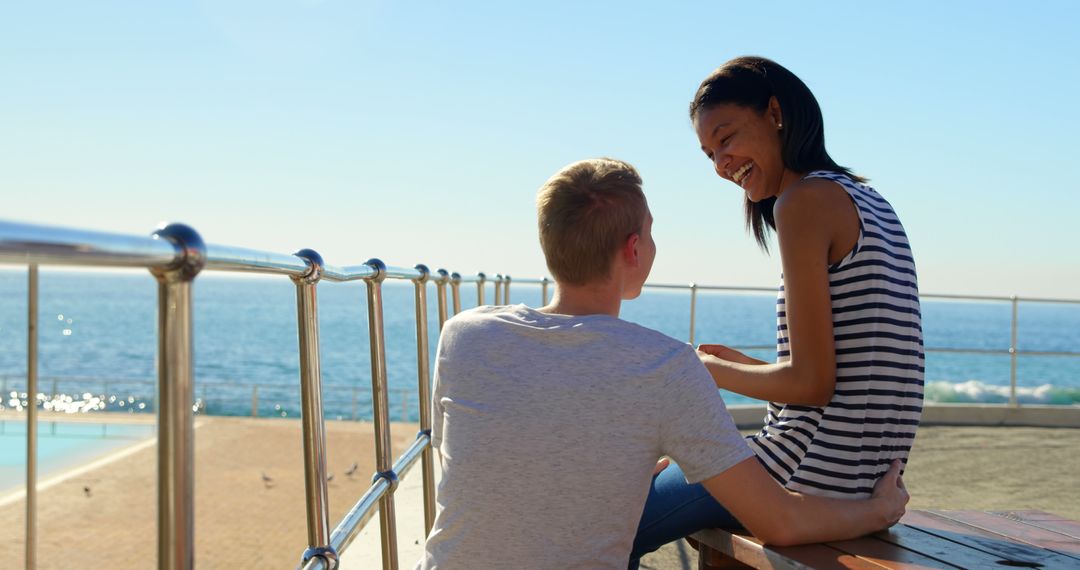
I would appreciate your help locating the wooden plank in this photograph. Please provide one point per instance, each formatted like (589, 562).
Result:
(1042, 519)
(1018, 530)
(925, 540)
(1010, 552)
(889, 555)
(750, 551)
(712, 559)
(908, 536)
(820, 556)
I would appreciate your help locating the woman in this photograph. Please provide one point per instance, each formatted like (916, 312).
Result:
(846, 390)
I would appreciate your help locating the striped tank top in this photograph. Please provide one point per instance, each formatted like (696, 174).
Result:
(840, 450)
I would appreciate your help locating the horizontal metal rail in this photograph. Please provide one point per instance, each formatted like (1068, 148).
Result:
(364, 509)
(1014, 351)
(49, 245)
(353, 521)
(39, 244)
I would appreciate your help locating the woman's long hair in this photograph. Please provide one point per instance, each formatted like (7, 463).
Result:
(750, 82)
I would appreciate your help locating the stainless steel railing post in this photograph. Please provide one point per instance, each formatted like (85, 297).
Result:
(254, 400)
(693, 310)
(423, 373)
(455, 289)
(498, 281)
(311, 413)
(1012, 355)
(544, 291)
(176, 419)
(440, 288)
(31, 414)
(480, 279)
(383, 466)
(506, 290)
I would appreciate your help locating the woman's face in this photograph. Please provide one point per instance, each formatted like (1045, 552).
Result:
(744, 147)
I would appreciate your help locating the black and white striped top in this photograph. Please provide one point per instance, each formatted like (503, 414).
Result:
(841, 449)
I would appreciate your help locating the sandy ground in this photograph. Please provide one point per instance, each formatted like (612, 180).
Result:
(243, 523)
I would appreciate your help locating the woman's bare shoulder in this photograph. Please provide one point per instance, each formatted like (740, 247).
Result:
(812, 199)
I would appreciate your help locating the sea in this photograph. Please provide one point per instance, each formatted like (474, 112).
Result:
(97, 343)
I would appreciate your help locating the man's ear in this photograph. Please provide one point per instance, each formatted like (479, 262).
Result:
(629, 250)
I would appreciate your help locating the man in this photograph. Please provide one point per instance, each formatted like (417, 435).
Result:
(549, 422)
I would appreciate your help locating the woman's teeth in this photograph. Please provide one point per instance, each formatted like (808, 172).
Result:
(740, 174)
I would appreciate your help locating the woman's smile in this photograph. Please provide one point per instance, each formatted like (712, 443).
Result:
(743, 172)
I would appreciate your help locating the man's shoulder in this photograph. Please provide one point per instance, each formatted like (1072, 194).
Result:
(480, 315)
(538, 326)
(632, 332)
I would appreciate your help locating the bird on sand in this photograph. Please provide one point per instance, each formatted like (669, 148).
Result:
(267, 480)
(86, 490)
(352, 469)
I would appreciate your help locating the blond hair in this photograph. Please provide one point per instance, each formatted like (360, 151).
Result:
(586, 212)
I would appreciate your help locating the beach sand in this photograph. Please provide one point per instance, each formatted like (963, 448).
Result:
(240, 521)
(243, 523)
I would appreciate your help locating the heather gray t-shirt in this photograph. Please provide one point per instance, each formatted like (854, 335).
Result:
(548, 428)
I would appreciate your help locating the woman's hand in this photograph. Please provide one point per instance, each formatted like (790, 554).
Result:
(726, 353)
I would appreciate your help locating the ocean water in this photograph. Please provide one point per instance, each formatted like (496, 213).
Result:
(97, 342)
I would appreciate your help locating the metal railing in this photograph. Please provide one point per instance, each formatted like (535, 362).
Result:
(1013, 350)
(175, 255)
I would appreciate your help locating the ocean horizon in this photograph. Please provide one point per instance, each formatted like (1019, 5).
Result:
(97, 343)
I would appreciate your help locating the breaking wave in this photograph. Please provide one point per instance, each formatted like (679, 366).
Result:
(976, 392)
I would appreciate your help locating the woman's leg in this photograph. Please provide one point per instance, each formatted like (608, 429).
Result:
(676, 509)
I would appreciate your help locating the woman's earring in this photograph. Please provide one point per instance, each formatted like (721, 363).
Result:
(779, 126)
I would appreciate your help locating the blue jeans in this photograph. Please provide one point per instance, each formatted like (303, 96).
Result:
(676, 509)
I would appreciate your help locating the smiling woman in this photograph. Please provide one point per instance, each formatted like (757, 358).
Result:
(845, 393)
(754, 112)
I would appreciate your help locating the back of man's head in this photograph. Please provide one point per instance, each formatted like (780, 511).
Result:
(586, 212)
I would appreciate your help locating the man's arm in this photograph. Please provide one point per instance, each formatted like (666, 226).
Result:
(781, 517)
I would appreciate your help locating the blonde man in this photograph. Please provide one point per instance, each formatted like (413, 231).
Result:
(549, 421)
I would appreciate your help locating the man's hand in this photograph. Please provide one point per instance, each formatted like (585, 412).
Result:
(726, 353)
(890, 493)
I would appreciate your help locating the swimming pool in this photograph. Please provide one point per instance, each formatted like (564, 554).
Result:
(61, 445)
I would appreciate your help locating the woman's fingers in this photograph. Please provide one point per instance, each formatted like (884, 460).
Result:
(727, 353)
(714, 349)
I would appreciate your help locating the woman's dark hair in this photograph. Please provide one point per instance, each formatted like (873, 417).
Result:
(750, 82)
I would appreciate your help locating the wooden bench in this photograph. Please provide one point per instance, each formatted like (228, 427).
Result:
(923, 539)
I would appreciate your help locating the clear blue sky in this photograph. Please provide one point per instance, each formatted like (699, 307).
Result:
(419, 131)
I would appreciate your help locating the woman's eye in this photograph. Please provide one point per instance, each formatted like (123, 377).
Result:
(724, 141)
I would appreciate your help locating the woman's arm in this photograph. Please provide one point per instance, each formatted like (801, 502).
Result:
(812, 217)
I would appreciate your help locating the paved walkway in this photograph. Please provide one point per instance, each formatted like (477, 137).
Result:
(106, 517)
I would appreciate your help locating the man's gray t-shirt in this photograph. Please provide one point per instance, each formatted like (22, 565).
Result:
(549, 427)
